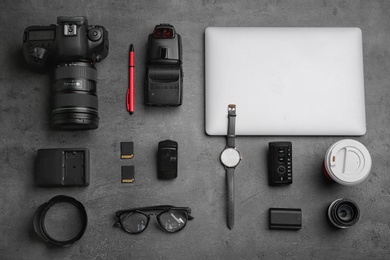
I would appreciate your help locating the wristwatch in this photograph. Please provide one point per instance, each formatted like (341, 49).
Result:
(230, 158)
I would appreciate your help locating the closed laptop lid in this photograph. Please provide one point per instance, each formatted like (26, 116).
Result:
(285, 81)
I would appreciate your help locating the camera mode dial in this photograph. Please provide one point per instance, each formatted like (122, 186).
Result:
(94, 34)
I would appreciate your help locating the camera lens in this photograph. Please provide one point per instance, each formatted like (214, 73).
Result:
(343, 213)
(75, 102)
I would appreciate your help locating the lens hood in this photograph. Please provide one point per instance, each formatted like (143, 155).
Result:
(39, 220)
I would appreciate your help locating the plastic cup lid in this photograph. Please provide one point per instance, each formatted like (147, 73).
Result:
(348, 162)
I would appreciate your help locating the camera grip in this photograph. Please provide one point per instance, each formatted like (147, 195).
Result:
(36, 56)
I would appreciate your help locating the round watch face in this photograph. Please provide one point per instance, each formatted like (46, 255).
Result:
(230, 157)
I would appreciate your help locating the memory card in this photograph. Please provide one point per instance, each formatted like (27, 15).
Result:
(128, 175)
(127, 150)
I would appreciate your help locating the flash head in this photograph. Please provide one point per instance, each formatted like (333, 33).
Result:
(164, 31)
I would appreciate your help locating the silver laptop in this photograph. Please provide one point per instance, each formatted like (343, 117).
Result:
(285, 81)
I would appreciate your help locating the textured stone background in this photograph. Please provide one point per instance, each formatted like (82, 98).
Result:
(24, 118)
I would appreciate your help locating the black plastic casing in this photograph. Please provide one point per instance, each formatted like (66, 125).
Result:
(284, 218)
(164, 77)
(40, 216)
(44, 46)
(167, 159)
(280, 163)
(72, 48)
(62, 167)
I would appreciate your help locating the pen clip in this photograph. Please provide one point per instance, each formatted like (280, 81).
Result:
(128, 101)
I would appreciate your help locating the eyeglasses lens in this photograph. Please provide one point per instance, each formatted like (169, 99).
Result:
(173, 220)
(134, 222)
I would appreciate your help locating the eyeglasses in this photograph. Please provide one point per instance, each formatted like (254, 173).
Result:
(172, 219)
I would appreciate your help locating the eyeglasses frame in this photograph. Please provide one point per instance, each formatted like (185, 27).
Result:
(164, 208)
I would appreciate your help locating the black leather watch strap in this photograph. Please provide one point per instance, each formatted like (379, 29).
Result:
(230, 188)
(231, 135)
(40, 214)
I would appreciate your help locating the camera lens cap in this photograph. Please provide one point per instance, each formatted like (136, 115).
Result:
(94, 34)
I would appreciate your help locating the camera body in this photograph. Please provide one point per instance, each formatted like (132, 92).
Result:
(72, 47)
(164, 77)
(70, 40)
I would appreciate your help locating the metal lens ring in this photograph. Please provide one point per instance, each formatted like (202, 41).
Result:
(134, 222)
(173, 220)
(343, 213)
(40, 225)
(75, 102)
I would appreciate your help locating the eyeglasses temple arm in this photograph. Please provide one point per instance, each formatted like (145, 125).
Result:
(160, 207)
(150, 208)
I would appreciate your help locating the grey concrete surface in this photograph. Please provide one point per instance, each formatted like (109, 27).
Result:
(24, 118)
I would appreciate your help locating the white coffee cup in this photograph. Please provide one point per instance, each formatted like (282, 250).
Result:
(347, 162)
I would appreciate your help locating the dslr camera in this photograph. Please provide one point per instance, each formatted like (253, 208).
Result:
(73, 48)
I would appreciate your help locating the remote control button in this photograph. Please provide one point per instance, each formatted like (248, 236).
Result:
(281, 170)
(281, 159)
(288, 163)
(281, 150)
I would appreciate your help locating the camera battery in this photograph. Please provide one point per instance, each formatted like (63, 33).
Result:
(282, 218)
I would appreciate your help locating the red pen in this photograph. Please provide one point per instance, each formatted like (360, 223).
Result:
(130, 91)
